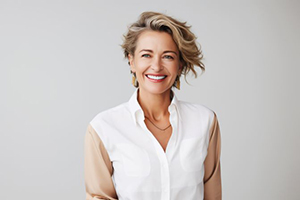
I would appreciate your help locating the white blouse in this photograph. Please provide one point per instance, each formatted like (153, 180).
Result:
(124, 161)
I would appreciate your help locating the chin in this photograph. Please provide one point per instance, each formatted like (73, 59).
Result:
(156, 90)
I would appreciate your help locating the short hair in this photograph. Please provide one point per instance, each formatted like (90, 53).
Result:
(190, 53)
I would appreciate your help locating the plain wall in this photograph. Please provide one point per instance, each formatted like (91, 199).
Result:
(61, 64)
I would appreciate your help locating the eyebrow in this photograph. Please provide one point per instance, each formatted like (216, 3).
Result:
(167, 51)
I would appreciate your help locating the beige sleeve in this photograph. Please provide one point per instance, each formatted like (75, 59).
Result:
(212, 175)
(97, 168)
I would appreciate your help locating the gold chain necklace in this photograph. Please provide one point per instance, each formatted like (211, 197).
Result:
(156, 126)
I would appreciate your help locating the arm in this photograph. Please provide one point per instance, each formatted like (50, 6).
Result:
(212, 174)
(97, 168)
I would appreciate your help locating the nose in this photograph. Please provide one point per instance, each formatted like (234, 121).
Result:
(156, 64)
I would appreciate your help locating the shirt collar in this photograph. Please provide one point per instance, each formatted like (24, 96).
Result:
(136, 110)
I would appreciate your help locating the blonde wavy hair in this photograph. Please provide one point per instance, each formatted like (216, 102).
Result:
(190, 53)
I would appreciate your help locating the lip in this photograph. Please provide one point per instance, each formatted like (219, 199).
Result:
(156, 80)
(156, 74)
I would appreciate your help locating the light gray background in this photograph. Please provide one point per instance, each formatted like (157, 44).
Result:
(61, 63)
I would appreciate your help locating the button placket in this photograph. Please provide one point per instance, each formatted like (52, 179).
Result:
(165, 177)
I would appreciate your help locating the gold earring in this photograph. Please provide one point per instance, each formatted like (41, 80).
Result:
(135, 83)
(133, 80)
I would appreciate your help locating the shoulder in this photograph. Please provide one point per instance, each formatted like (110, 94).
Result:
(196, 110)
(110, 116)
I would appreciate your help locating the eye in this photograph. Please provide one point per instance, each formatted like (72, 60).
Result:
(168, 57)
(146, 55)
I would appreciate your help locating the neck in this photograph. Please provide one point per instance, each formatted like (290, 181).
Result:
(155, 106)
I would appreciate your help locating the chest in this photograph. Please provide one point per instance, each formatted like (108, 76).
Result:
(152, 160)
(149, 162)
(145, 146)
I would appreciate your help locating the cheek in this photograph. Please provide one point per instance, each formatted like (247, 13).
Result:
(141, 66)
(174, 69)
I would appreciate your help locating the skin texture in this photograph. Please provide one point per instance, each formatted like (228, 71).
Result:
(156, 53)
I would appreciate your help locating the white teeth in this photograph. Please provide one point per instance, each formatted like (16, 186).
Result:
(156, 77)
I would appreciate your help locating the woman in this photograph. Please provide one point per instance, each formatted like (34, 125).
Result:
(155, 146)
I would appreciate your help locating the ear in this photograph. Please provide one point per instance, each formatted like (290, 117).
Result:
(131, 63)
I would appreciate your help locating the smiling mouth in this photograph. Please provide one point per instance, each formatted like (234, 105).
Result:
(156, 77)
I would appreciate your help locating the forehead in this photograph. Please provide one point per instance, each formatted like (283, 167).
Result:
(156, 40)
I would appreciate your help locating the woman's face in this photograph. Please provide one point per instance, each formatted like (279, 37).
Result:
(155, 62)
